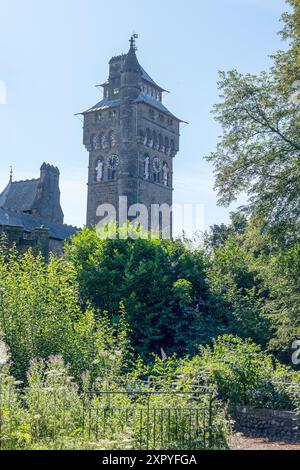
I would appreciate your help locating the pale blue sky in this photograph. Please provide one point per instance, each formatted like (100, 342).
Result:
(53, 52)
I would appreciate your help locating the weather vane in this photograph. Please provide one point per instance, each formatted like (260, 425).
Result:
(132, 41)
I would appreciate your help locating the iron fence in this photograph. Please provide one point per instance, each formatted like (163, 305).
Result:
(156, 420)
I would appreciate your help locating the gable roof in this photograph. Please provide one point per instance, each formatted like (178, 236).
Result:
(19, 195)
(30, 222)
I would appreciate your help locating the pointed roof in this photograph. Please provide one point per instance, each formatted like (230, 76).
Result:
(150, 80)
(19, 195)
(131, 63)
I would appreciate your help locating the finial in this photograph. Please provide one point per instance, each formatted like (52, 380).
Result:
(132, 41)
(11, 174)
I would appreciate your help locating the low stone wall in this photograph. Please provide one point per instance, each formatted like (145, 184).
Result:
(279, 425)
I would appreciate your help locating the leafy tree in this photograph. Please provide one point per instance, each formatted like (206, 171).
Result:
(278, 270)
(237, 290)
(219, 234)
(259, 152)
(161, 283)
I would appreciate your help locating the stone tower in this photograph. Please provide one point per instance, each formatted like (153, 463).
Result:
(132, 139)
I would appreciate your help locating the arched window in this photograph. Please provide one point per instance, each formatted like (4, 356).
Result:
(146, 166)
(148, 137)
(161, 143)
(155, 140)
(99, 170)
(172, 148)
(165, 173)
(156, 164)
(112, 139)
(93, 141)
(103, 141)
(167, 145)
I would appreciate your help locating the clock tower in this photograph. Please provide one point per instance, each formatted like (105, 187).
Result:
(132, 139)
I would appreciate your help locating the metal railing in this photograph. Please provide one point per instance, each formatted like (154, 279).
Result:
(113, 419)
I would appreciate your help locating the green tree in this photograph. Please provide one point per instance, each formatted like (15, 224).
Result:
(259, 152)
(237, 290)
(161, 284)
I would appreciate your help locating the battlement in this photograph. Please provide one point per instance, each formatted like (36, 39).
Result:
(46, 167)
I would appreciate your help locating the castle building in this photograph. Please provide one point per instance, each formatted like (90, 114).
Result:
(132, 139)
(31, 214)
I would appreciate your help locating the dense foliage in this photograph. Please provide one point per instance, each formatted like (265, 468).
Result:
(162, 285)
(210, 326)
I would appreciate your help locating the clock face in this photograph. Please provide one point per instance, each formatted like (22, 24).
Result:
(156, 165)
(113, 162)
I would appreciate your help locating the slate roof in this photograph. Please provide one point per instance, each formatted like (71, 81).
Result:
(30, 222)
(104, 104)
(19, 195)
(147, 78)
(144, 98)
(131, 63)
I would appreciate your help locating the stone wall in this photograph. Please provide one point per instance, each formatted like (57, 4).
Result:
(38, 240)
(273, 424)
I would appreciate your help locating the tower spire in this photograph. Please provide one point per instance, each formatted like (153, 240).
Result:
(11, 174)
(131, 63)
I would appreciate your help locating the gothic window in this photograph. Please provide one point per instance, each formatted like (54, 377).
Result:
(93, 141)
(155, 140)
(144, 136)
(146, 167)
(99, 170)
(165, 172)
(161, 118)
(151, 140)
(161, 143)
(151, 114)
(112, 139)
(156, 164)
(148, 137)
(112, 114)
(103, 140)
(167, 146)
(172, 148)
